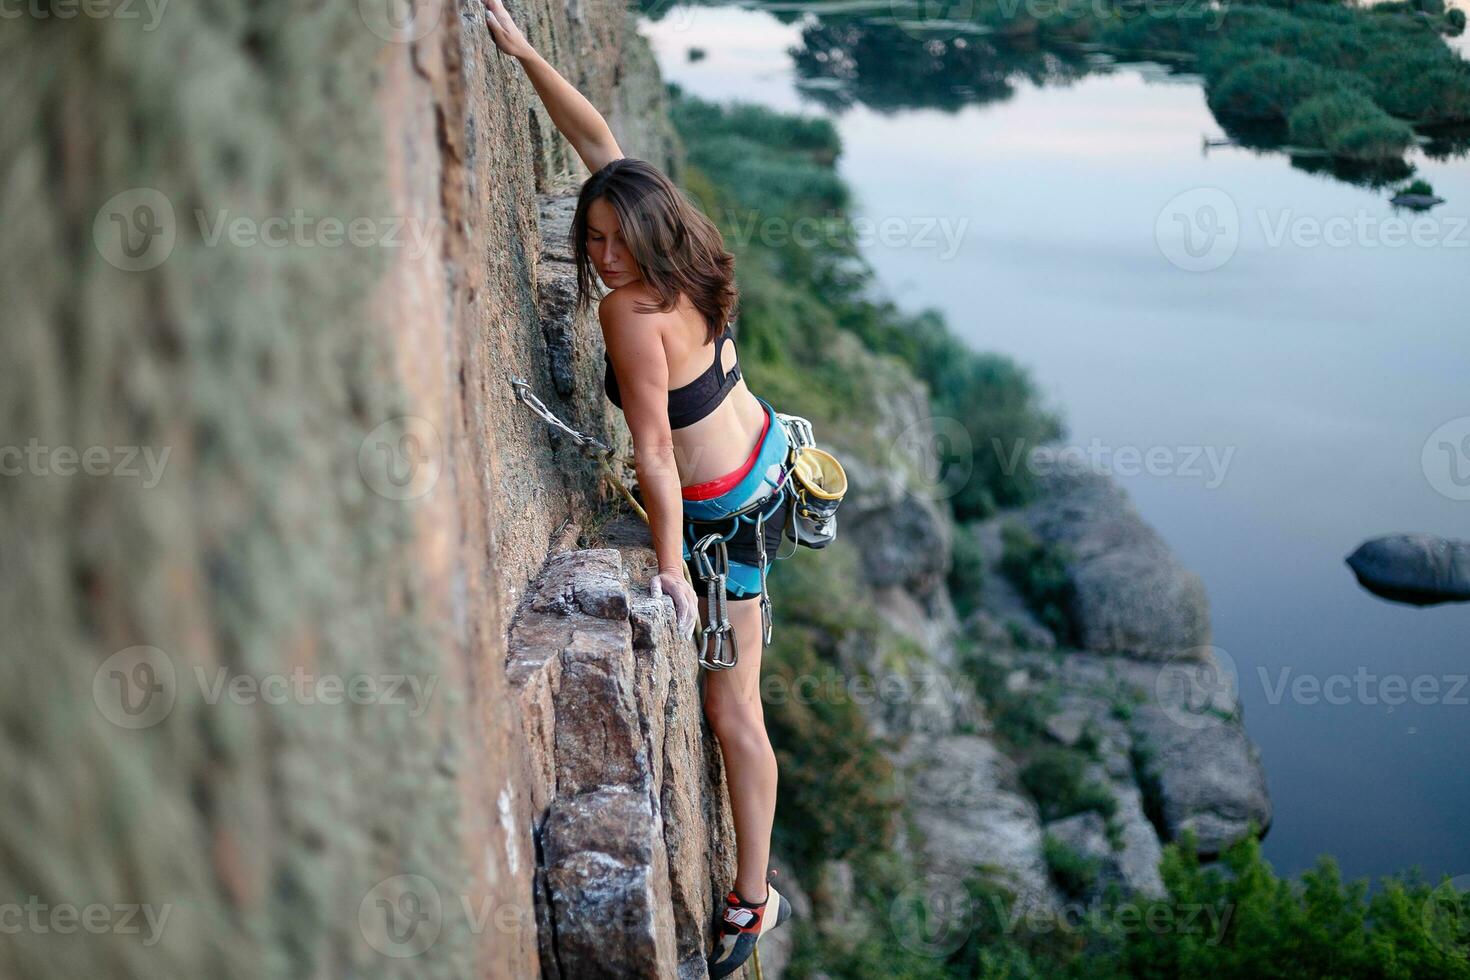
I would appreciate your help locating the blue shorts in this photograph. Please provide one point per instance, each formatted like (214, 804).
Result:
(765, 478)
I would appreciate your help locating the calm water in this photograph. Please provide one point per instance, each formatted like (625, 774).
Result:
(1314, 370)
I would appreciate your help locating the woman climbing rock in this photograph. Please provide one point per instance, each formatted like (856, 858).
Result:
(712, 457)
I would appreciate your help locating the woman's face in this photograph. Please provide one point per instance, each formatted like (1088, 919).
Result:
(605, 246)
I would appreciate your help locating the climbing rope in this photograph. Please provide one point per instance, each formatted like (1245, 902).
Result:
(714, 572)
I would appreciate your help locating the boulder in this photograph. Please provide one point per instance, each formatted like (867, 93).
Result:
(1203, 770)
(904, 536)
(965, 801)
(632, 821)
(1416, 202)
(1130, 595)
(1421, 569)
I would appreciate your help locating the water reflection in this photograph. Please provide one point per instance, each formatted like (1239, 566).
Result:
(891, 56)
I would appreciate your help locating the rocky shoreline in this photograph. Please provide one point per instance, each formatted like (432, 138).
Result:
(1140, 687)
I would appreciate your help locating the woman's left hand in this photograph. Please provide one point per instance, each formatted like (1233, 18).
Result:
(686, 602)
(504, 32)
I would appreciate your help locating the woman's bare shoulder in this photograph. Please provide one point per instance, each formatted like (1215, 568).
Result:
(633, 303)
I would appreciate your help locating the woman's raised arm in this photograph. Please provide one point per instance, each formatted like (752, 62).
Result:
(577, 118)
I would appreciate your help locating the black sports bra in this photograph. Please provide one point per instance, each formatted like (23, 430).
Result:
(692, 402)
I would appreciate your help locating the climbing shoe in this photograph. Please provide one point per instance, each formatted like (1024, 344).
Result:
(742, 926)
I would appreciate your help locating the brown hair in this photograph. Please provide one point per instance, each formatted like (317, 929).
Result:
(677, 248)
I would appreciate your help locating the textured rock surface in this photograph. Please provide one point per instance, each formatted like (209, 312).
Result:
(1169, 730)
(632, 848)
(969, 811)
(1182, 743)
(1131, 595)
(350, 492)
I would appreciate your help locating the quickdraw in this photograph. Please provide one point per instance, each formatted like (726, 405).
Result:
(716, 574)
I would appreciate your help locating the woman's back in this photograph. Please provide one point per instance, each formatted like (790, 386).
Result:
(713, 440)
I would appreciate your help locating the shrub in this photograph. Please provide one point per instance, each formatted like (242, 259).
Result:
(1371, 139)
(1427, 86)
(1057, 778)
(1348, 124)
(826, 753)
(1019, 717)
(1270, 86)
(966, 571)
(1040, 573)
(1074, 873)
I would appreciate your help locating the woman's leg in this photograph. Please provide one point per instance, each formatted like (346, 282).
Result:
(733, 706)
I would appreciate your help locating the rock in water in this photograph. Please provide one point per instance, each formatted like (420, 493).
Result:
(1418, 202)
(1422, 569)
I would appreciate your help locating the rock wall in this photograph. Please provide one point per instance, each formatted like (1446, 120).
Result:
(269, 503)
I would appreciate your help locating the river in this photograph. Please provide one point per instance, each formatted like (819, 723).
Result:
(1282, 348)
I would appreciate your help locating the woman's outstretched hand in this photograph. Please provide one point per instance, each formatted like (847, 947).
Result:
(686, 603)
(504, 32)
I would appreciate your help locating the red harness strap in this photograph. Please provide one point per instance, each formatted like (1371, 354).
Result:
(713, 488)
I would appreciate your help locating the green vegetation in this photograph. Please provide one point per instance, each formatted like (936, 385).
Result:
(1074, 874)
(1019, 717)
(1420, 187)
(967, 571)
(1342, 79)
(1348, 124)
(1056, 776)
(1040, 573)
